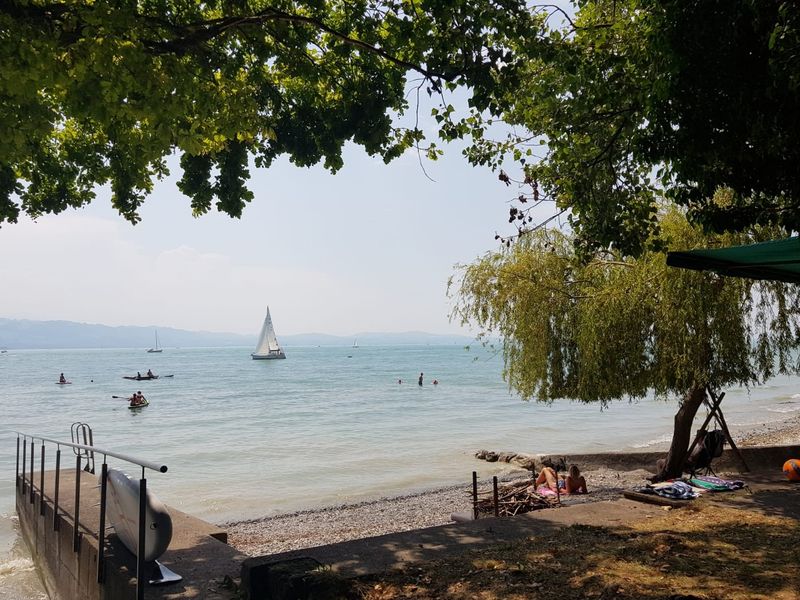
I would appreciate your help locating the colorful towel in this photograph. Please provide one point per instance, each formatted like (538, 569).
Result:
(715, 484)
(543, 490)
(677, 490)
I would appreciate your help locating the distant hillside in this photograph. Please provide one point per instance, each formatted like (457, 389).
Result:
(68, 334)
(25, 334)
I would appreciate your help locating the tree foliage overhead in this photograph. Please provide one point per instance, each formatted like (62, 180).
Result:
(101, 92)
(617, 327)
(633, 99)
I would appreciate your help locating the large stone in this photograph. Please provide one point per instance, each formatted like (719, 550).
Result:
(505, 456)
(526, 461)
(559, 463)
(491, 457)
(481, 454)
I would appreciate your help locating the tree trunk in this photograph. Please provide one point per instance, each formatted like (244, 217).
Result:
(681, 434)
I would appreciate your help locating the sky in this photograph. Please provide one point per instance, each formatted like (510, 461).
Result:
(369, 249)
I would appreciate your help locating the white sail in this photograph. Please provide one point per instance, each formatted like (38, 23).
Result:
(268, 346)
(156, 348)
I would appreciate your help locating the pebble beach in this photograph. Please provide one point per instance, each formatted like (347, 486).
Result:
(305, 529)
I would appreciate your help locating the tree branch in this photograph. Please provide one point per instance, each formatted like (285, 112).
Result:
(206, 31)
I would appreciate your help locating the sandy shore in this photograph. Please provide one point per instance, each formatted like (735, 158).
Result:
(328, 525)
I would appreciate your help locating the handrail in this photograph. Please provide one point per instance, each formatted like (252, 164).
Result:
(143, 463)
(79, 457)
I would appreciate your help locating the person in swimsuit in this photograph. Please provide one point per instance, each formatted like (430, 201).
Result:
(420, 379)
(549, 479)
(573, 483)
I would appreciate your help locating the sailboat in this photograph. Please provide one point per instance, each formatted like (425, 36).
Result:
(267, 346)
(156, 348)
(355, 343)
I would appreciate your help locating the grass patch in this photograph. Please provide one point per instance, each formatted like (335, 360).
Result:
(705, 552)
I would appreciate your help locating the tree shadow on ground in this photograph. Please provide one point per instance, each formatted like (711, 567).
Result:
(714, 552)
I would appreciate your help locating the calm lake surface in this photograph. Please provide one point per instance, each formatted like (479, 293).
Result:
(328, 425)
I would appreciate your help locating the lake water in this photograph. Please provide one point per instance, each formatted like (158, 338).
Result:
(328, 425)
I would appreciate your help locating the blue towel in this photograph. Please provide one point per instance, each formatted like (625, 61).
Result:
(677, 490)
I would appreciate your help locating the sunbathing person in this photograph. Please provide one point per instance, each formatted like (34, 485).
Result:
(549, 479)
(573, 483)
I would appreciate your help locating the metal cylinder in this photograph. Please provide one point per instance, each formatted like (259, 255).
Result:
(76, 537)
(24, 464)
(41, 484)
(55, 491)
(101, 534)
(33, 450)
(140, 578)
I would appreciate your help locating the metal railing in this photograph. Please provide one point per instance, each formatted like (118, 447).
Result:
(84, 452)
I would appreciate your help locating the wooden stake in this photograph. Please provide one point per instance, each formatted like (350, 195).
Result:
(475, 494)
(724, 426)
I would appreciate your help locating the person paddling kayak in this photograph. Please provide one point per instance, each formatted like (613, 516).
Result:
(137, 399)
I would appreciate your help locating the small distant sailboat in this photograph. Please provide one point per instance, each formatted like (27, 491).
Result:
(355, 343)
(156, 348)
(267, 346)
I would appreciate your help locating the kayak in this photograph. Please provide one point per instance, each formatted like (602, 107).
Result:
(145, 403)
(145, 377)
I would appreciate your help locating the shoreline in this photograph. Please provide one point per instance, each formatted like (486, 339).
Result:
(432, 507)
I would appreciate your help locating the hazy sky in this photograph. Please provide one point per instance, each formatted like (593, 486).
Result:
(368, 249)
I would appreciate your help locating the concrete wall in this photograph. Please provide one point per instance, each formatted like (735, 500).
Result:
(67, 575)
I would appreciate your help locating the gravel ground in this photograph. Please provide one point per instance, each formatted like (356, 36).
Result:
(328, 525)
(781, 434)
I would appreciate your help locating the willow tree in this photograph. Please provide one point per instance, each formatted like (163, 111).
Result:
(621, 328)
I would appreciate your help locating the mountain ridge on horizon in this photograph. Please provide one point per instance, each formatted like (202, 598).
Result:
(28, 334)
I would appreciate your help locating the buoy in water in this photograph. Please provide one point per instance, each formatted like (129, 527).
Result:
(792, 469)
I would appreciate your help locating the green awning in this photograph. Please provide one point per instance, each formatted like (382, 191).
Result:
(778, 260)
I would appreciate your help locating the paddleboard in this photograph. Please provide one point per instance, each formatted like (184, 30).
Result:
(145, 403)
(63, 382)
(122, 510)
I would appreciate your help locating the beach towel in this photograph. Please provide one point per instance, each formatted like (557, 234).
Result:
(677, 490)
(543, 490)
(716, 484)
